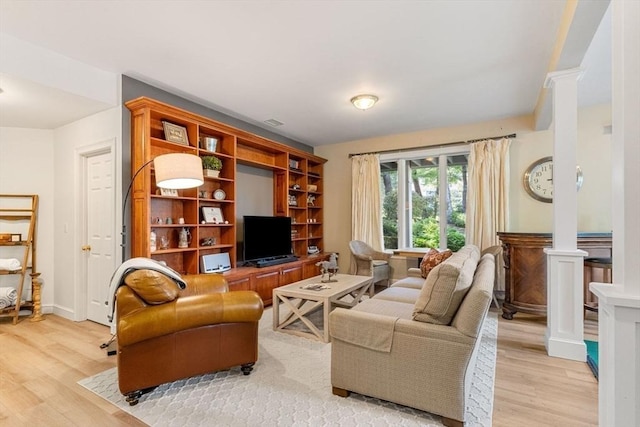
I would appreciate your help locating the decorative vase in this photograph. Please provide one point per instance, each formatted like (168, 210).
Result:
(209, 143)
(184, 238)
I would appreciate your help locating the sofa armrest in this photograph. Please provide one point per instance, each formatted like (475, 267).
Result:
(184, 313)
(361, 257)
(357, 324)
(431, 331)
(364, 329)
(385, 256)
(414, 272)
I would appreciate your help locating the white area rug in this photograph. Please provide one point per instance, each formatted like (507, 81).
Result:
(289, 386)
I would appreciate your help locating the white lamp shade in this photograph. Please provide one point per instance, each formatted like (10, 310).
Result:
(178, 170)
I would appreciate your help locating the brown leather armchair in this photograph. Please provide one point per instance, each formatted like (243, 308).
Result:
(165, 333)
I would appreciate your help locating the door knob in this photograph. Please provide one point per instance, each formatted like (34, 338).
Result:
(86, 248)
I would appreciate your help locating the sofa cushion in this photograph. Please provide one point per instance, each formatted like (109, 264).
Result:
(446, 286)
(409, 282)
(399, 293)
(152, 286)
(431, 259)
(384, 307)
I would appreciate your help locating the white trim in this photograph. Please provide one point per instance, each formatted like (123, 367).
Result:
(425, 152)
(443, 186)
(402, 159)
(404, 206)
(81, 155)
(64, 312)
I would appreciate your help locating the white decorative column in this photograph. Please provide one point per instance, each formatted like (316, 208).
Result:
(619, 304)
(564, 336)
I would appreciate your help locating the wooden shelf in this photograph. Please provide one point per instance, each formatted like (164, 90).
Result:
(20, 211)
(234, 146)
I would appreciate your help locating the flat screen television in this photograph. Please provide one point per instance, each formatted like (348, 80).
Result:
(266, 237)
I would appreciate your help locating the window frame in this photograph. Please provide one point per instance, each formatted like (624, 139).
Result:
(402, 159)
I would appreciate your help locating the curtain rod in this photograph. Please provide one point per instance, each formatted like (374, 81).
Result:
(446, 144)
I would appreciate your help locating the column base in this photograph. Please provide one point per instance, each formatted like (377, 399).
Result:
(564, 336)
(566, 349)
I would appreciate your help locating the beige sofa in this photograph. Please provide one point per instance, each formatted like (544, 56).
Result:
(415, 343)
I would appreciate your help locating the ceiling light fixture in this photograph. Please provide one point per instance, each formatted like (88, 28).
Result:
(364, 102)
(273, 122)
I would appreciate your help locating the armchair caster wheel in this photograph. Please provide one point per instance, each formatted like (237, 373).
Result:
(246, 369)
(133, 398)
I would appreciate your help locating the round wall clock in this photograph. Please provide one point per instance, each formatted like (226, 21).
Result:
(538, 179)
(219, 194)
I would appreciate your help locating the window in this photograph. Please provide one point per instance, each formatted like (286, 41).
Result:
(419, 188)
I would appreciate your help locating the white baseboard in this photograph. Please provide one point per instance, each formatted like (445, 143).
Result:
(65, 312)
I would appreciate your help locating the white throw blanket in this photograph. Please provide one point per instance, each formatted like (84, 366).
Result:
(137, 264)
(8, 297)
(10, 264)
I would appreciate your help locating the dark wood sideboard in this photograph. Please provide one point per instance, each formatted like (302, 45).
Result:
(525, 266)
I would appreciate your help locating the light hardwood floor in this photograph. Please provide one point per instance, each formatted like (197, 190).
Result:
(40, 364)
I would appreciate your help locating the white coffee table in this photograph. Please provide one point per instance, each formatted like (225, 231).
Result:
(301, 302)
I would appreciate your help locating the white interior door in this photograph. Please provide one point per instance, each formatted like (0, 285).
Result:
(99, 246)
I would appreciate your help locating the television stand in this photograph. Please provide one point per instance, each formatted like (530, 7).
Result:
(275, 260)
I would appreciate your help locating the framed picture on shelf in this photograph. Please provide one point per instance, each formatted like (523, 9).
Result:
(175, 133)
(169, 192)
(212, 215)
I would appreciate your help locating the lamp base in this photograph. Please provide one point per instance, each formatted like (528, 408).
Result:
(112, 348)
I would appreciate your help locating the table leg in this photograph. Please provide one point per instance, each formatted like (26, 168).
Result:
(356, 294)
(325, 319)
(276, 310)
(298, 314)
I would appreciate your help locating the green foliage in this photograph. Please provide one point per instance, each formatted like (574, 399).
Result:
(455, 239)
(426, 233)
(459, 219)
(425, 226)
(212, 163)
(390, 233)
(390, 219)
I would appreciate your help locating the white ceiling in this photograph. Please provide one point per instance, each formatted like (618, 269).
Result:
(432, 63)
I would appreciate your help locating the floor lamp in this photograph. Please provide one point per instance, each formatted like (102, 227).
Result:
(172, 171)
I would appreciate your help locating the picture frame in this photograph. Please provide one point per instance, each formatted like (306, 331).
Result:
(175, 133)
(212, 215)
(172, 192)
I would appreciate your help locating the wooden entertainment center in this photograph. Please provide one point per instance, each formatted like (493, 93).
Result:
(297, 193)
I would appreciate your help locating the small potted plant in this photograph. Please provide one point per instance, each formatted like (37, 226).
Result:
(211, 165)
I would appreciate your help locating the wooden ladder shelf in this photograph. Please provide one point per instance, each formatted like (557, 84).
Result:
(18, 224)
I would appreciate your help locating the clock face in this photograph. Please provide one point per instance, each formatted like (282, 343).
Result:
(538, 179)
(219, 194)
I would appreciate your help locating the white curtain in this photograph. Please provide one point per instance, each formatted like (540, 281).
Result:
(366, 205)
(488, 192)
